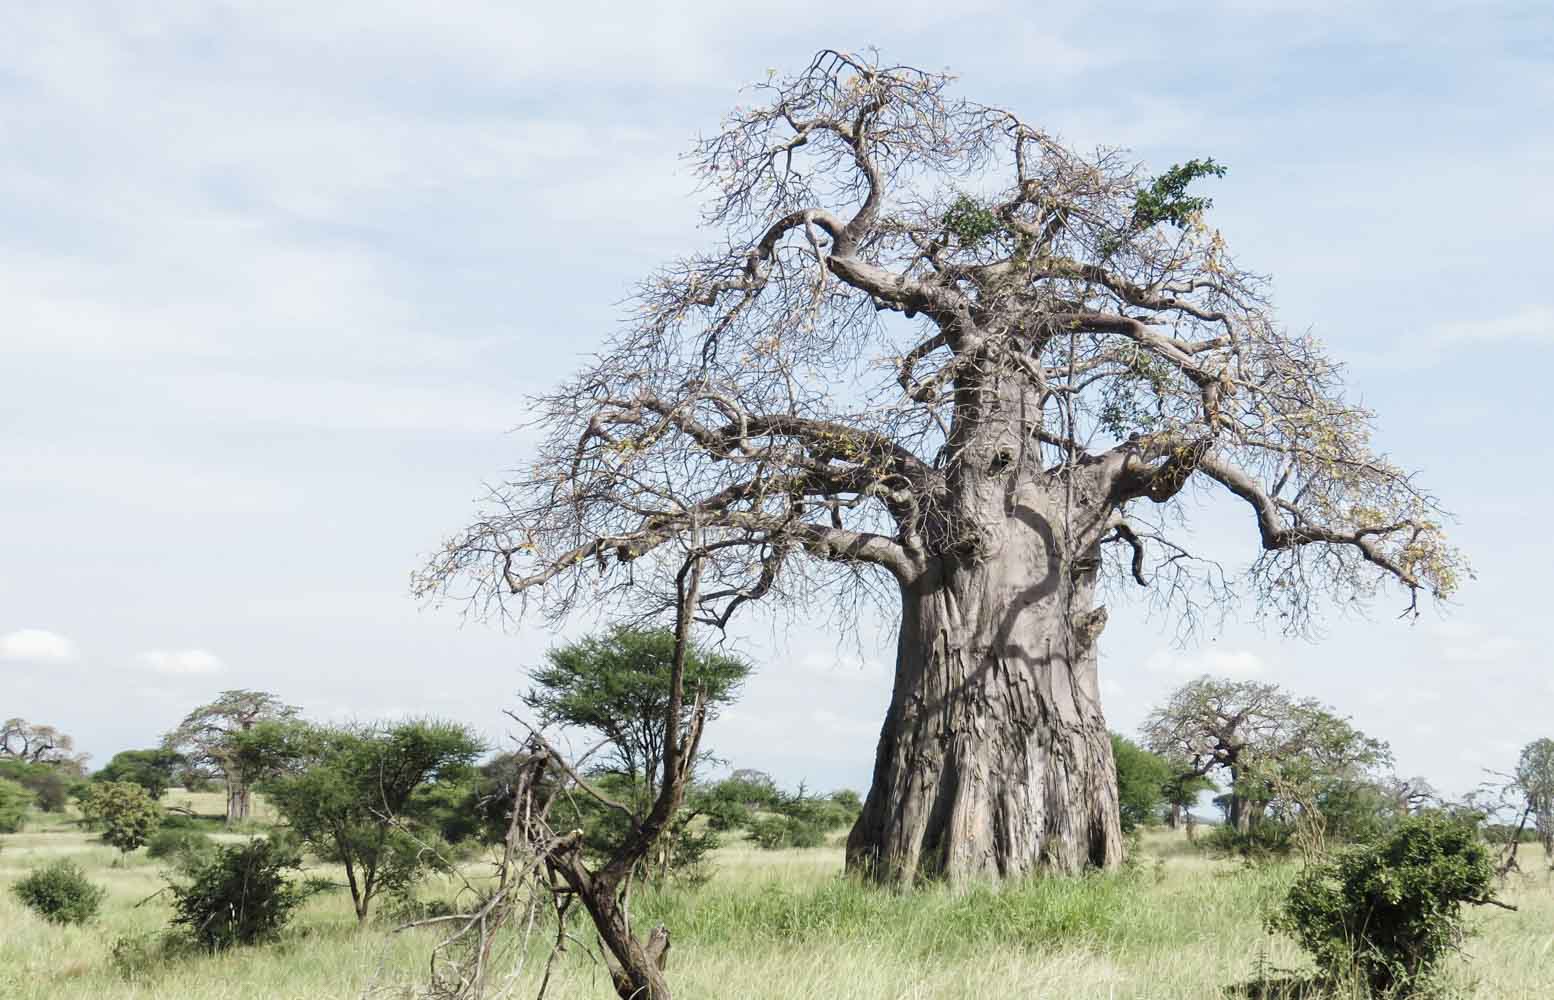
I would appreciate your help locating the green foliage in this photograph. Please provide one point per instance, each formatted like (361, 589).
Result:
(240, 896)
(50, 785)
(124, 812)
(1141, 780)
(1166, 198)
(804, 820)
(970, 222)
(152, 770)
(617, 686)
(1263, 841)
(1390, 910)
(355, 795)
(60, 893)
(136, 957)
(15, 801)
(186, 849)
(769, 832)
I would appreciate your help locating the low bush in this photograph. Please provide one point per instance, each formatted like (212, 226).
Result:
(240, 896)
(775, 832)
(1389, 911)
(137, 956)
(60, 893)
(186, 849)
(1268, 840)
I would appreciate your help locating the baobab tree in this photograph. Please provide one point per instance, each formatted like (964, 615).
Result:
(885, 381)
(1260, 738)
(211, 738)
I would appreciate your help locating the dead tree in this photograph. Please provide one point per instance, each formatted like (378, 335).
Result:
(540, 861)
(961, 404)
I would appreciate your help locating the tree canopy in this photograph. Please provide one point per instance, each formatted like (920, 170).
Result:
(34, 743)
(350, 793)
(1264, 739)
(810, 385)
(618, 686)
(151, 769)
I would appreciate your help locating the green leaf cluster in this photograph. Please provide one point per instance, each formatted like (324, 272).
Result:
(970, 222)
(1165, 199)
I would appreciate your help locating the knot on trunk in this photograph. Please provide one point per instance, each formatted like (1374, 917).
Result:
(1088, 626)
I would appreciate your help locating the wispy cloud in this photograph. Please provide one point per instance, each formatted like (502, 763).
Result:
(1533, 323)
(1224, 662)
(181, 661)
(37, 645)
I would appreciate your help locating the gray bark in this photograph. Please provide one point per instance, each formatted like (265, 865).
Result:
(994, 759)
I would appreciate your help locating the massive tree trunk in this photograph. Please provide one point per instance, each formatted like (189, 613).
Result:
(994, 759)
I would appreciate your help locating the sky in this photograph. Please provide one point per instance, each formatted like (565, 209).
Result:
(276, 281)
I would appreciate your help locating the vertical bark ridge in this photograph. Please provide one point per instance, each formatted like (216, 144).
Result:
(994, 760)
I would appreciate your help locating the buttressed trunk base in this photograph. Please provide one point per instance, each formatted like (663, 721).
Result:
(994, 760)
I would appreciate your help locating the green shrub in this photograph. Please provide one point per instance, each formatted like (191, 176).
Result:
(769, 832)
(137, 956)
(15, 800)
(240, 896)
(60, 893)
(186, 849)
(1390, 910)
(1267, 840)
(774, 832)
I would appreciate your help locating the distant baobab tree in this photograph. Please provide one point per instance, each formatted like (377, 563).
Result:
(978, 407)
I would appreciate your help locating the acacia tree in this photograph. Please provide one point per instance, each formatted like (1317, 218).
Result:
(617, 685)
(882, 384)
(1261, 738)
(210, 737)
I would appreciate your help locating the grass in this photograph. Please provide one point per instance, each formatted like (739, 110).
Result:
(781, 924)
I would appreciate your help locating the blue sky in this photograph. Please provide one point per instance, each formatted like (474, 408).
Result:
(275, 282)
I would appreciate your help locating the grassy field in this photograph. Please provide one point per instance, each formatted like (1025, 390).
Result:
(779, 925)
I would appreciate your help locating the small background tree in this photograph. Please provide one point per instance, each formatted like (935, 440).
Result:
(1271, 748)
(127, 815)
(1141, 782)
(617, 687)
(1535, 781)
(208, 737)
(350, 793)
(154, 769)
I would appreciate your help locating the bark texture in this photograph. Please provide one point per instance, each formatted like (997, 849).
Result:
(994, 759)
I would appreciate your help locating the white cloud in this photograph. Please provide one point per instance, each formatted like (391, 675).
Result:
(1464, 642)
(36, 644)
(1225, 662)
(1531, 323)
(181, 661)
